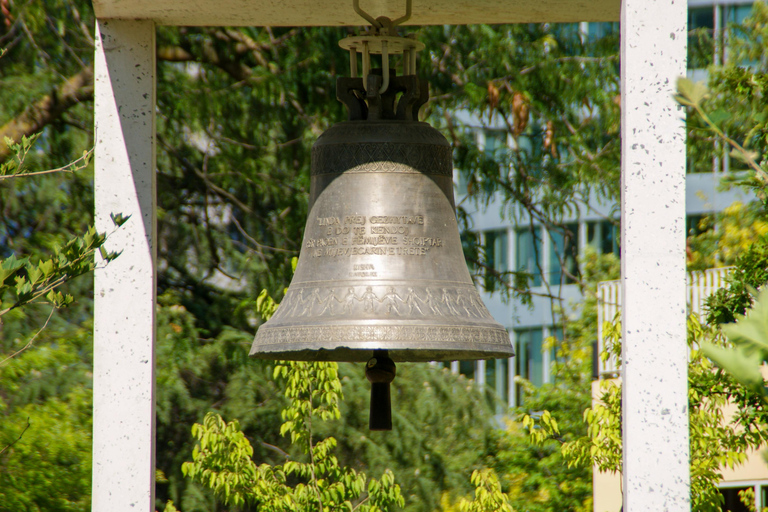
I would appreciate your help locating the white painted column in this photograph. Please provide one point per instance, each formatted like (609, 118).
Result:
(480, 374)
(513, 368)
(125, 290)
(654, 360)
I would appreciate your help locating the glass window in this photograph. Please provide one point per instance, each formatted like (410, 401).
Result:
(701, 25)
(701, 17)
(470, 245)
(602, 38)
(530, 150)
(563, 255)
(530, 358)
(557, 333)
(496, 244)
(495, 141)
(731, 500)
(734, 17)
(603, 236)
(467, 368)
(462, 181)
(568, 36)
(496, 377)
(601, 29)
(704, 156)
(738, 13)
(527, 253)
(693, 225)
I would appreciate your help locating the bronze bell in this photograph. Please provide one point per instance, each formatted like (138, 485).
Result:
(381, 276)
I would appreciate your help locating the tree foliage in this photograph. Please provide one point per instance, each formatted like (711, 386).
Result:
(734, 113)
(533, 467)
(222, 460)
(717, 439)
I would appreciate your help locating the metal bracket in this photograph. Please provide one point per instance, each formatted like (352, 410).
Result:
(402, 100)
(377, 23)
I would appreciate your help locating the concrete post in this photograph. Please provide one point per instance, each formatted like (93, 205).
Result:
(125, 290)
(654, 359)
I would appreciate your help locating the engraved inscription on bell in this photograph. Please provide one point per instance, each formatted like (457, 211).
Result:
(382, 235)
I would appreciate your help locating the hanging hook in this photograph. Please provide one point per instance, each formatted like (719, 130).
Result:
(370, 19)
(373, 21)
(404, 18)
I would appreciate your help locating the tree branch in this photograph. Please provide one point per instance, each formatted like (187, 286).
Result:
(208, 55)
(25, 347)
(17, 439)
(79, 88)
(51, 107)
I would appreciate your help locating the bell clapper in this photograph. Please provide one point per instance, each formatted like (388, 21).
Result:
(380, 371)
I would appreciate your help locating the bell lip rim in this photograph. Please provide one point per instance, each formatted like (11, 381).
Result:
(307, 348)
(488, 324)
(346, 354)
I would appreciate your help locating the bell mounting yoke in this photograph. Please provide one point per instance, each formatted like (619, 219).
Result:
(371, 95)
(371, 105)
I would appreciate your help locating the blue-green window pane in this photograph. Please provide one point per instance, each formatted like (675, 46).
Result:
(563, 255)
(530, 358)
(738, 13)
(495, 141)
(694, 226)
(536, 358)
(496, 246)
(496, 382)
(530, 147)
(496, 249)
(501, 381)
(601, 29)
(462, 182)
(527, 253)
(701, 47)
(467, 368)
(735, 15)
(470, 246)
(603, 237)
(566, 32)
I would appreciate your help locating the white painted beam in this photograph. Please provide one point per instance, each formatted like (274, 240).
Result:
(292, 13)
(125, 290)
(654, 358)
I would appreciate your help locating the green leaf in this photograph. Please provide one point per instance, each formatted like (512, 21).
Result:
(718, 116)
(34, 274)
(690, 93)
(752, 329)
(46, 267)
(118, 219)
(741, 362)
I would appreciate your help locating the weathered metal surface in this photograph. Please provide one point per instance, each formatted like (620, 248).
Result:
(382, 266)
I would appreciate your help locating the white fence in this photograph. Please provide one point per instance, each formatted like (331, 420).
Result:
(701, 284)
